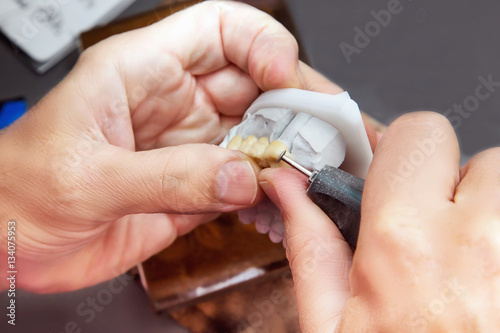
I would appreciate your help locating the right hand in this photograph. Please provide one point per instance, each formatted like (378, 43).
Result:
(428, 254)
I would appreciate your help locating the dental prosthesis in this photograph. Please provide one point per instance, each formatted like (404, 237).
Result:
(316, 130)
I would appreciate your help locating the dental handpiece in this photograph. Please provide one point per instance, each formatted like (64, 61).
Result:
(337, 193)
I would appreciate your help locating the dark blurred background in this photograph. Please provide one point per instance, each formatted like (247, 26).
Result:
(429, 57)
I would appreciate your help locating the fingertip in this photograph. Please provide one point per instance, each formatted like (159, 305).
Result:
(274, 60)
(424, 119)
(417, 154)
(287, 177)
(258, 44)
(270, 191)
(193, 178)
(281, 72)
(237, 183)
(279, 183)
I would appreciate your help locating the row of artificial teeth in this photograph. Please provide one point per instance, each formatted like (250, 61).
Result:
(266, 154)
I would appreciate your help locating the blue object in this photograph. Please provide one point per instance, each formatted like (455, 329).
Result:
(11, 111)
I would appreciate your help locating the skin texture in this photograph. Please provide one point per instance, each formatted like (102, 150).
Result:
(113, 164)
(428, 255)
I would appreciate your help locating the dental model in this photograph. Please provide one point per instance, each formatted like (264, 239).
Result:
(316, 129)
(265, 153)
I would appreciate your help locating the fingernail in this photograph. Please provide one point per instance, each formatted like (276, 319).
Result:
(271, 193)
(237, 183)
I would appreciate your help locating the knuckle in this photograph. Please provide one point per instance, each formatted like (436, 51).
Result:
(399, 228)
(306, 255)
(170, 182)
(302, 257)
(89, 56)
(76, 187)
(100, 55)
(183, 187)
(485, 239)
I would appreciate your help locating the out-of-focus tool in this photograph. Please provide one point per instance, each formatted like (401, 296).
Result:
(11, 110)
(337, 193)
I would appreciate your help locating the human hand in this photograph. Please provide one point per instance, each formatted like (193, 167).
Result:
(428, 254)
(94, 175)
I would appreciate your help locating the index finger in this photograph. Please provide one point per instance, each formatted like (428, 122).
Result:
(319, 257)
(415, 165)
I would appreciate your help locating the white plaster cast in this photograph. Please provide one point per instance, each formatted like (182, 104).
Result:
(318, 129)
(340, 111)
(312, 142)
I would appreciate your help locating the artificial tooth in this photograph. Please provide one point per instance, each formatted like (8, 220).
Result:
(272, 153)
(247, 144)
(235, 143)
(257, 151)
(266, 154)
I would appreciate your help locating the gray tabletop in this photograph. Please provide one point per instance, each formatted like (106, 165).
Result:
(427, 55)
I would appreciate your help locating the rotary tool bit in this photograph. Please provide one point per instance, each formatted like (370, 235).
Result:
(337, 193)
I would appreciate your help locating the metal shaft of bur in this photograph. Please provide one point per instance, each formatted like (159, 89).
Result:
(294, 164)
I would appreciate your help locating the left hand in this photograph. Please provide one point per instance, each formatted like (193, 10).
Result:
(94, 174)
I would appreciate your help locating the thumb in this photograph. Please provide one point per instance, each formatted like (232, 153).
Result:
(195, 178)
(319, 257)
